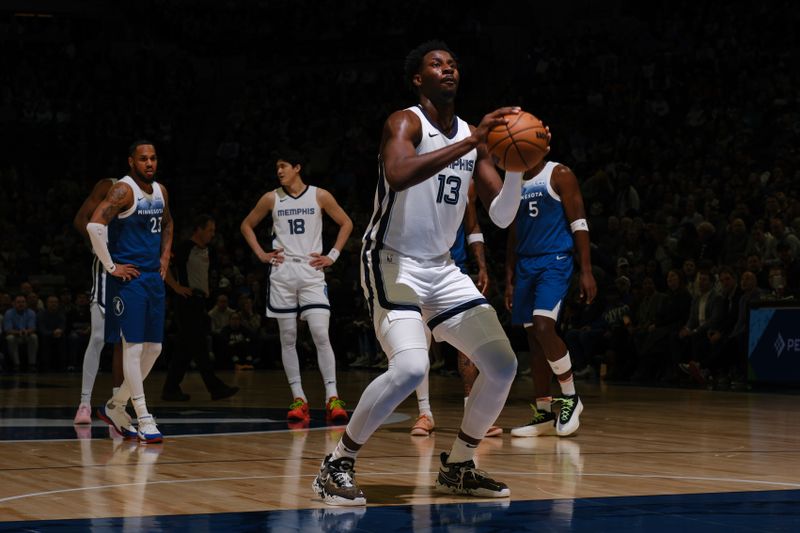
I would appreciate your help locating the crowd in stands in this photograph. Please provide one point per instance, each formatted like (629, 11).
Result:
(682, 123)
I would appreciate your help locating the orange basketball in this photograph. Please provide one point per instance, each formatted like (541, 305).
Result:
(519, 145)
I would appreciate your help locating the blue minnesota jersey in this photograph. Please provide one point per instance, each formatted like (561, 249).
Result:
(134, 237)
(542, 226)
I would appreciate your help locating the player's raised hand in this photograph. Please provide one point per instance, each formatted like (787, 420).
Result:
(497, 117)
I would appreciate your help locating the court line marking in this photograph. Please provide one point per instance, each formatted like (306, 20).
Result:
(364, 474)
(392, 419)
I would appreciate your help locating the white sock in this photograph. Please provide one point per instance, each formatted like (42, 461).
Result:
(343, 451)
(567, 386)
(461, 451)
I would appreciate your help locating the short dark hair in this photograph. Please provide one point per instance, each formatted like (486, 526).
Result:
(289, 155)
(414, 59)
(201, 221)
(136, 144)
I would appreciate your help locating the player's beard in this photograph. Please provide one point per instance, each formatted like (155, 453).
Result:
(144, 177)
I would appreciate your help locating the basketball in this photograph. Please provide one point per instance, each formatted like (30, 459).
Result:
(519, 145)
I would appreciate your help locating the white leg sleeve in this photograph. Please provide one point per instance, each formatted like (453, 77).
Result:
(403, 341)
(133, 386)
(291, 365)
(424, 396)
(91, 357)
(386, 392)
(478, 334)
(326, 360)
(497, 364)
(149, 355)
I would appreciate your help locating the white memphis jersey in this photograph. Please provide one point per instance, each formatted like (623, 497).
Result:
(422, 221)
(297, 223)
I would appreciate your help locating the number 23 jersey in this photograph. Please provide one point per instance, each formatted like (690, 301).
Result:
(422, 221)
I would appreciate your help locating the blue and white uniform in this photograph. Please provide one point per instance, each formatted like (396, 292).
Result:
(295, 286)
(407, 269)
(544, 250)
(135, 308)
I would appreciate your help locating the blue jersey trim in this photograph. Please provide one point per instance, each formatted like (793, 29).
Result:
(453, 311)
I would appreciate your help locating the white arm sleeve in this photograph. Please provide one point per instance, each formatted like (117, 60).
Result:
(98, 234)
(506, 204)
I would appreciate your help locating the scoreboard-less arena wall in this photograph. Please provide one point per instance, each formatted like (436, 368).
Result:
(773, 344)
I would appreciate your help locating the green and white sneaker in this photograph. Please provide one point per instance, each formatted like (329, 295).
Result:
(542, 423)
(569, 415)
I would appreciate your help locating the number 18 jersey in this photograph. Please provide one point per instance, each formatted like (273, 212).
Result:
(297, 223)
(422, 221)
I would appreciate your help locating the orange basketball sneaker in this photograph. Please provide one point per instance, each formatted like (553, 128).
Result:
(298, 410)
(423, 426)
(335, 410)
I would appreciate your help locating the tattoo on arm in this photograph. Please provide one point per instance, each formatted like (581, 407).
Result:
(114, 203)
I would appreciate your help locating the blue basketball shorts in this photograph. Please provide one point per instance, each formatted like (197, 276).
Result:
(135, 308)
(540, 285)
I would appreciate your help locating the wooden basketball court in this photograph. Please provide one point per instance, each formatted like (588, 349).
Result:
(645, 458)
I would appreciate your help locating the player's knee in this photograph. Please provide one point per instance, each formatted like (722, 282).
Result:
(288, 338)
(497, 361)
(543, 327)
(409, 368)
(153, 349)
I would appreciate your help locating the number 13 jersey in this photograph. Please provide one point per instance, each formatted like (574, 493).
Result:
(422, 221)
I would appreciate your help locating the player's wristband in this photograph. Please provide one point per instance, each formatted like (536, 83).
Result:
(474, 237)
(333, 254)
(98, 234)
(579, 225)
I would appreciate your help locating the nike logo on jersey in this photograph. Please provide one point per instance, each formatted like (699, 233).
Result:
(560, 257)
(140, 199)
(282, 199)
(432, 134)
